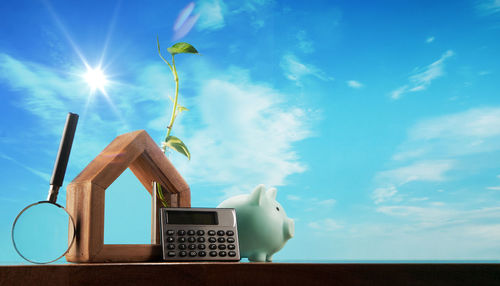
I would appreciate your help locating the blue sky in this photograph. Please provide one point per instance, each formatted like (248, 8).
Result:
(378, 122)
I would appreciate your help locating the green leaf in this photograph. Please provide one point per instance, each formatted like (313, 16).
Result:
(176, 144)
(159, 194)
(182, 108)
(182, 48)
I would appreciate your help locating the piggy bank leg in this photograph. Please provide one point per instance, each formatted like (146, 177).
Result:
(257, 257)
(269, 258)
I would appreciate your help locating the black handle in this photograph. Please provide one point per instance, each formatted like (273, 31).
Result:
(64, 150)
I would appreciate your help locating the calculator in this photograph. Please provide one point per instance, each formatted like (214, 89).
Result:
(199, 234)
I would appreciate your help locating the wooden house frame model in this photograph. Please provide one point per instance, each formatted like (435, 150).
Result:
(85, 198)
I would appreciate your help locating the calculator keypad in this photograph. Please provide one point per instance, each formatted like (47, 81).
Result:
(209, 244)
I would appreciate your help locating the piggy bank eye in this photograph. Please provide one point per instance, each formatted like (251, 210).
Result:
(277, 208)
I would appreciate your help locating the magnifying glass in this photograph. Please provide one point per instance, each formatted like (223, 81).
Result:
(44, 231)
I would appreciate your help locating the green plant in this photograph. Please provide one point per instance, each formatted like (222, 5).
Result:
(159, 195)
(171, 141)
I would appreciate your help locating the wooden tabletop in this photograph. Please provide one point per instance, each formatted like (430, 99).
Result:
(209, 273)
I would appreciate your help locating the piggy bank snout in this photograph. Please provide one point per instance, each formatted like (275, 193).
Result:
(289, 228)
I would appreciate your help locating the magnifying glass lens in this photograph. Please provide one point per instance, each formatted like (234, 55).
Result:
(42, 231)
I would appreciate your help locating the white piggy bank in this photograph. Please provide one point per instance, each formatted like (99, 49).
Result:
(263, 227)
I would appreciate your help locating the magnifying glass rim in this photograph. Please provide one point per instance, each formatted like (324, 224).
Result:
(19, 215)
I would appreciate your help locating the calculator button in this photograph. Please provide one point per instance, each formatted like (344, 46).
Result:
(181, 232)
(191, 239)
(171, 253)
(202, 253)
(182, 254)
(191, 232)
(222, 246)
(212, 239)
(170, 239)
(192, 246)
(232, 253)
(222, 253)
(201, 246)
(230, 240)
(212, 246)
(213, 253)
(192, 253)
(220, 233)
(221, 239)
(171, 246)
(231, 246)
(183, 239)
(230, 232)
(182, 246)
(201, 239)
(170, 232)
(200, 232)
(211, 232)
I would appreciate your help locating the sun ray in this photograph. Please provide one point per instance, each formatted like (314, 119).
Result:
(111, 27)
(61, 27)
(95, 77)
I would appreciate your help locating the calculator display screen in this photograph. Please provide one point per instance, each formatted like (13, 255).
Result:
(192, 217)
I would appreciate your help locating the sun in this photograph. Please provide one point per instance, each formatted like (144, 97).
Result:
(96, 79)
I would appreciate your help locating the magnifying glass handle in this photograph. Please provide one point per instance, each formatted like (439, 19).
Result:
(62, 156)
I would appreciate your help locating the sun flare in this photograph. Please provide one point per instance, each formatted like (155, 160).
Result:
(96, 79)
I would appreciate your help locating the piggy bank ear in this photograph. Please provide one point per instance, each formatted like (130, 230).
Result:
(272, 193)
(258, 195)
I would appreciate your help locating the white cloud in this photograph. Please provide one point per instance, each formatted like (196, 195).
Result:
(423, 199)
(293, 198)
(409, 154)
(423, 216)
(354, 84)
(430, 40)
(394, 241)
(381, 195)
(434, 204)
(423, 79)
(327, 203)
(296, 70)
(49, 95)
(430, 145)
(215, 14)
(396, 94)
(472, 131)
(325, 225)
(489, 6)
(304, 43)
(246, 138)
(254, 9)
(424, 171)
(44, 176)
(414, 232)
(478, 123)
(433, 171)
(496, 188)
(437, 215)
(251, 5)
(46, 90)
(211, 15)
(243, 135)
(312, 204)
